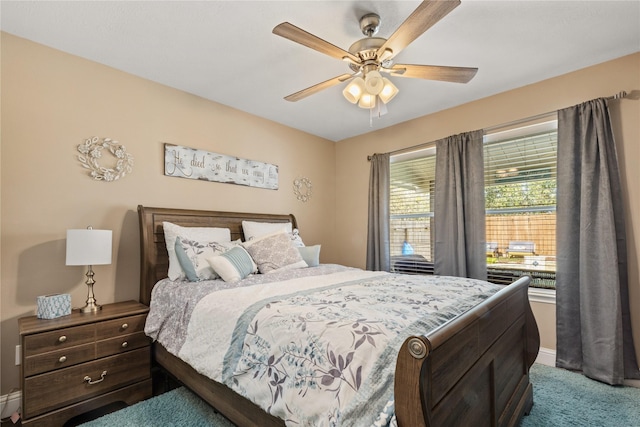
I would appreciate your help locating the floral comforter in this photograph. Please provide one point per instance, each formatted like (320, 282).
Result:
(314, 347)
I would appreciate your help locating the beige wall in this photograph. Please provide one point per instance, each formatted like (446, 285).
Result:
(51, 102)
(352, 167)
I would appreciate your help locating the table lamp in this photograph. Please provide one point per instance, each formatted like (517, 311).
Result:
(89, 247)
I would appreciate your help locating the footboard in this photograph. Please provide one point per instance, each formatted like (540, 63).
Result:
(473, 370)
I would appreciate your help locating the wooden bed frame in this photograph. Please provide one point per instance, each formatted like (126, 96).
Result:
(473, 370)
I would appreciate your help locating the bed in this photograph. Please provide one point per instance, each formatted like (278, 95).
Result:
(471, 370)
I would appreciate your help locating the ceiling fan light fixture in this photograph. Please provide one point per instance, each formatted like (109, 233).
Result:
(373, 82)
(367, 100)
(354, 90)
(389, 90)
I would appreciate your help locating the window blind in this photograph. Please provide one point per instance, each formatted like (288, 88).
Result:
(520, 198)
(412, 184)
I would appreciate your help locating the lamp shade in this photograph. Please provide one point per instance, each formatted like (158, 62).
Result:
(354, 90)
(373, 82)
(88, 247)
(388, 91)
(367, 101)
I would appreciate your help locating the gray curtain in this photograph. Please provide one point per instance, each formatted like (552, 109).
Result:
(378, 235)
(459, 214)
(592, 300)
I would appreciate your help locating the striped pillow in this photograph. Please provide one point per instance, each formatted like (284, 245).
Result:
(233, 265)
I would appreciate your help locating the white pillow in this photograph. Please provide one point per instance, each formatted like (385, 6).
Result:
(254, 229)
(274, 252)
(233, 265)
(202, 234)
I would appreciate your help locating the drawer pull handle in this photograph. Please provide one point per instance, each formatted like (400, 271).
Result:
(89, 381)
(62, 359)
(125, 344)
(63, 338)
(125, 325)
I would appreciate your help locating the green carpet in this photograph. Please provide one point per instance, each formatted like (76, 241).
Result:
(564, 398)
(175, 408)
(561, 398)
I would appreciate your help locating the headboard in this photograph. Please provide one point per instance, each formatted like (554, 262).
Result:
(154, 259)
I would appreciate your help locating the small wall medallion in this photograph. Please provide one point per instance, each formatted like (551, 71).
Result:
(91, 153)
(302, 189)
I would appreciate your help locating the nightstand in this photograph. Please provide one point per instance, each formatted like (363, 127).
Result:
(80, 362)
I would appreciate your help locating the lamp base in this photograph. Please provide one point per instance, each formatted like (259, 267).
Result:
(91, 308)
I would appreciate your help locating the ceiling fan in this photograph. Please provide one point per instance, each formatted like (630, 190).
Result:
(371, 56)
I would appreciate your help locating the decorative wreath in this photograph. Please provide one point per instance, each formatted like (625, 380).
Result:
(302, 189)
(91, 152)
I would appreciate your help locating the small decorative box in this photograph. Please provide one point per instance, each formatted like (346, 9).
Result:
(52, 306)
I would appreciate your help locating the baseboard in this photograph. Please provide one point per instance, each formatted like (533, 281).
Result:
(632, 383)
(546, 356)
(10, 403)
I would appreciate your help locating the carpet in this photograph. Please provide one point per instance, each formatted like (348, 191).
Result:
(176, 408)
(564, 398)
(561, 398)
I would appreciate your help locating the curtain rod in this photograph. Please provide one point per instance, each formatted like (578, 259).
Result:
(619, 95)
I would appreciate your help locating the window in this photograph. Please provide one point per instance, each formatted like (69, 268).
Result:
(412, 184)
(520, 195)
(520, 198)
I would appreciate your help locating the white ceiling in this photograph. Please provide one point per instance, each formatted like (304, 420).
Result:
(224, 50)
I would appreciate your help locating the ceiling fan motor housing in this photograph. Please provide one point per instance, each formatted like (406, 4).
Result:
(366, 49)
(369, 24)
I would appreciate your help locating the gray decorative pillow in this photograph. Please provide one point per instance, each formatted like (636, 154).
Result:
(274, 252)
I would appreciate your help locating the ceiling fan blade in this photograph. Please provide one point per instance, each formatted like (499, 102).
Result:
(434, 72)
(298, 35)
(317, 88)
(424, 17)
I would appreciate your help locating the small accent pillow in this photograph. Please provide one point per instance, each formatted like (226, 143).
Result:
(233, 265)
(192, 256)
(310, 255)
(274, 252)
(203, 234)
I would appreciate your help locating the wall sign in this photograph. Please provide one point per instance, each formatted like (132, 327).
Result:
(185, 162)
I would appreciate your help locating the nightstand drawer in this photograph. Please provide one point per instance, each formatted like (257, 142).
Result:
(58, 359)
(122, 326)
(56, 389)
(121, 344)
(59, 339)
